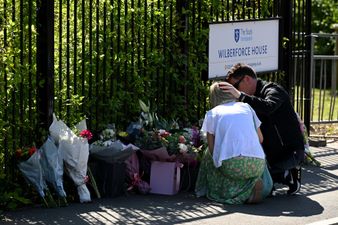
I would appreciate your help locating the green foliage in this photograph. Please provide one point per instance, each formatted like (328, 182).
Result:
(11, 194)
(324, 15)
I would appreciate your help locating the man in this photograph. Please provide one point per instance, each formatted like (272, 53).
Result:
(283, 141)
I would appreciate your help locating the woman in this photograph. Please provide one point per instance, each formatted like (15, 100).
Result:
(231, 171)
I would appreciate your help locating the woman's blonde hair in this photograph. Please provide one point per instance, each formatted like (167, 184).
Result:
(218, 96)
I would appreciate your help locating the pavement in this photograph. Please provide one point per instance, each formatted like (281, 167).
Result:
(315, 204)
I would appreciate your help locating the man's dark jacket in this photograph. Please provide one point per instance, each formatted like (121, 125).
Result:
(280, 126)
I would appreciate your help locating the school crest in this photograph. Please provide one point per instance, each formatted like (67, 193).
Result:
(236, 35)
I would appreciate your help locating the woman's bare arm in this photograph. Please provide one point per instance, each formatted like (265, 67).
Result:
(211, 141)
(260, 135)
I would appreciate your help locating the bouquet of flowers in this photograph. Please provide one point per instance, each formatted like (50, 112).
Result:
(153, 133)
(52, 165)
(30, 166)
(75, 152)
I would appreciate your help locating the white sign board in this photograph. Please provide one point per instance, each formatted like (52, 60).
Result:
(252, 42)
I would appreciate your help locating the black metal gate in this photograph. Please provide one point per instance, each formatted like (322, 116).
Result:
(97, 58)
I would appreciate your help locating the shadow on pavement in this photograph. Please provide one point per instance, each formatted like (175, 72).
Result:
(186, 208)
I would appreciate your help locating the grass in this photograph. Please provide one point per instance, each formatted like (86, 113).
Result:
(324, 105)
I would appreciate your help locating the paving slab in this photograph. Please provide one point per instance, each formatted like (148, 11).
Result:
(316, 204)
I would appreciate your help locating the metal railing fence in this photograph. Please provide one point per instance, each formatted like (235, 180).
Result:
(108, 54)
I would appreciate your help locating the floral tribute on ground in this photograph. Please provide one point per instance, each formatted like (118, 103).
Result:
(64, 150)
(113, 162)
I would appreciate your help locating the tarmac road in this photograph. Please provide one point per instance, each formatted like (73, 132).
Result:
(316, 204)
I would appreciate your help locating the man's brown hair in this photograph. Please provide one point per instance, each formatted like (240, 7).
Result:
(239, 70)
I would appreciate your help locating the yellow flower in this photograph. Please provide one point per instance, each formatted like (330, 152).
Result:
(123, 134)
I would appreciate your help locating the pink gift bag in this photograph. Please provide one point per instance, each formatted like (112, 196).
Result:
(165, 177)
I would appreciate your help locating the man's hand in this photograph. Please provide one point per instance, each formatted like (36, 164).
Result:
(227, 87)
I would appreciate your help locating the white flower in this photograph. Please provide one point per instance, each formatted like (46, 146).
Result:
(108, 134)
(183, 148)
(107, 143)
(161, 131)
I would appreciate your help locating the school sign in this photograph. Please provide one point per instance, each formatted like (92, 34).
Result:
(253, 42)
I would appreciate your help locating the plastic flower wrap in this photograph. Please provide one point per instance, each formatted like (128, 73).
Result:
(75, 152)
(52, 165)
(33, 173)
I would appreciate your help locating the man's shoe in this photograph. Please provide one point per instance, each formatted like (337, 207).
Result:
(294, 177)
(294, 188)
(272, 192)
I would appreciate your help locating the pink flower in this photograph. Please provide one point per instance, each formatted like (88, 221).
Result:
(86, 134)
(181, 139)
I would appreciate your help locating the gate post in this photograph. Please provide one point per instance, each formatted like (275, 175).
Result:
(286, 61)
(45, 64)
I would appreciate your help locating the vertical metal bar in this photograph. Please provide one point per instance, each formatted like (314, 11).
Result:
(90, 80)
(13, 99)
(233, 9)
(186, 53)
(216, 10)
(60, 57)
(171, 59)
(112, 24)
(165, 54)
(97, 65)
(253, 9)
(151, 35)
(243, 9)
(139, 16)
(259, 9)
(313, 85)
(126, 55)
(83, 49)
(45, 62)
(320, 88)
(222, 2)
(312, 75)
(228, 10)
(118, 41)
(158, 41)
(30, 63)
(199, 27)
(333, 89)
(132, 40)
(105, 52)
(68, 85)
(75, 48)
(307, 104)
(125, 46)
(287, 52)
(324, 90)
(21, 107)
(6, 152)
(145, 53)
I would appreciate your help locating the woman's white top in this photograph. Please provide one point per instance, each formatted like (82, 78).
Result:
(234, 129)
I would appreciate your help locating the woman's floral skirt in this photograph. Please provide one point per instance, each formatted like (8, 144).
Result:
(232, 183)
